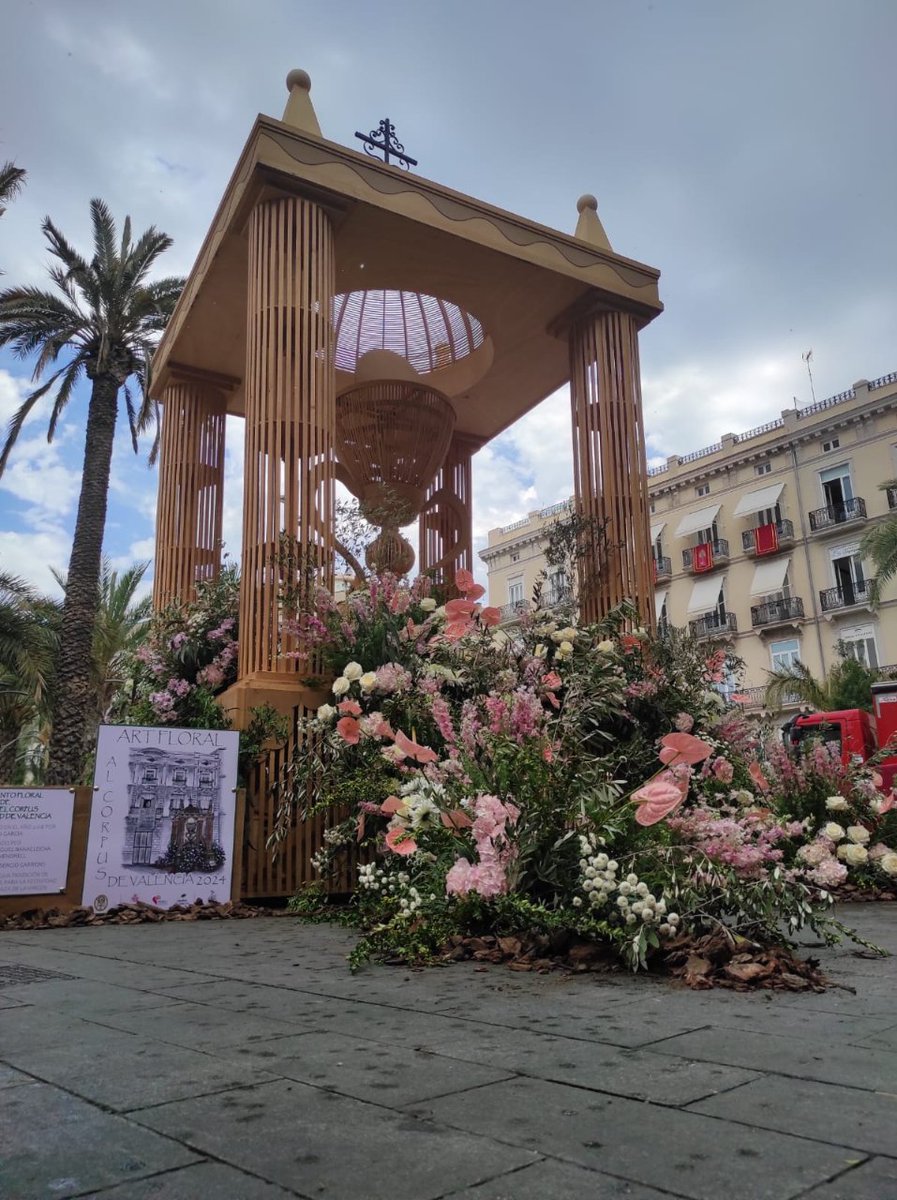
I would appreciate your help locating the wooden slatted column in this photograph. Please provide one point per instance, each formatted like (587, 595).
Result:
(610, 465)
(290, 404)
(191, 484)
(446, 525)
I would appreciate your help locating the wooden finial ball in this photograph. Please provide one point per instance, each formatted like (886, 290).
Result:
(300, 79)
(587, 201)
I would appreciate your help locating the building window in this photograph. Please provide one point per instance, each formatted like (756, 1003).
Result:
(515, 556)
(837, 488)
(205, 781)
(830, 445)
(848, 573)
(763, 468)
(178, 775)
(769, 516)
(651, 508)
(150, 775)
(859, 643)
(703, 489)
(663, 619)
(784, 655)
(515, 591)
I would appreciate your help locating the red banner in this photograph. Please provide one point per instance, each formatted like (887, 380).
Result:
(702, 557)
(766, 539)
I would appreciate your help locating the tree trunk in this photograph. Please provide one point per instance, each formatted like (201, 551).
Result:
(73, 697)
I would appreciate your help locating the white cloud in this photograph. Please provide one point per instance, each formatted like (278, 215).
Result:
(31, 555)
(37, 476)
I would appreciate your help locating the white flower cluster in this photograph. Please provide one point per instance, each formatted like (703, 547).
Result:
(353, 672)
(634, 900)
(374, 879)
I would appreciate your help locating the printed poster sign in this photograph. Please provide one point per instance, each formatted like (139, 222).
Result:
(162, 820)
(35, 835)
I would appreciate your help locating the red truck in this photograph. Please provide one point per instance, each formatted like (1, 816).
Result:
(859, 734)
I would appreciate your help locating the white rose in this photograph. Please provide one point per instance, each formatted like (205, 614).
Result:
(368, 681)
(540, 651)
(833, 831)
(888, 863)
(605, 647)
(325, 712)
(353, 671)
(858, 834)
(836, 804)
(853, 855)
(569, 633)
(428, 604)
(341, 686)
(565, 649)
(439, 612)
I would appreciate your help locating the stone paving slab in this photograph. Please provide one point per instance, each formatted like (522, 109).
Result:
(690, 1154)
(211, 1181)
(260, 1069)
(847, 1116)
(639, 1075)
(333, 1147)
(53, 1144)
(809, 1057)
(552, 1180)
(364, 1069)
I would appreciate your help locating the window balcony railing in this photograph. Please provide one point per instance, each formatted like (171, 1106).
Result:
(714, 625)
(892, 497)
(784, 536)
(719, 550)
(777, 612)
(551, 597)
(755, 697)
(663, 569)
(849, 596)
(512, 611)
(833, 516)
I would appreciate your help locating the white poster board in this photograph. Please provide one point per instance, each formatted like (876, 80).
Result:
(162, 819)
(35, 836)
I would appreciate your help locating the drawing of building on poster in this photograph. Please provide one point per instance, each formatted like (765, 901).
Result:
(162, 818)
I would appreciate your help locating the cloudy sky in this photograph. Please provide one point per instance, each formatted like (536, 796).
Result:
(745, 149)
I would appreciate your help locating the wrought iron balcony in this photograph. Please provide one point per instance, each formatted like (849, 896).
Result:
(784, 534)
(755, 698)
(511, 612)
(551, 597)
(714, 625)
(835, 516)
(777, 612)
(846, 597)
(720, 549)
(663, 569)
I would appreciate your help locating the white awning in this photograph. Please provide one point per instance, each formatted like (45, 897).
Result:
(704, 594)
(692, 522)
(657, 530)
(769, 576)
(755, 502)
(660, 599)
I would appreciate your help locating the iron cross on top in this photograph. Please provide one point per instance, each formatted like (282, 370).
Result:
(383, 139)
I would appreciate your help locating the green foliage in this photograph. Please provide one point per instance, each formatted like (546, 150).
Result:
(847, 685)
(265, 725)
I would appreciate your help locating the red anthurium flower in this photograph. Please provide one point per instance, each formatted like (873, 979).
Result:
(658, 798)
(400, 841)
(683, 748)
(411, 749)
(349, 730)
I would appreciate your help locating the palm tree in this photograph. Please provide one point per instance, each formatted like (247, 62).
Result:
(28, 638)
(12, 179)
(847, 685)
(101, 324)
(121, 626)
(880, 545)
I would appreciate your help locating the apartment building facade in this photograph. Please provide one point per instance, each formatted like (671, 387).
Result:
(756, 538)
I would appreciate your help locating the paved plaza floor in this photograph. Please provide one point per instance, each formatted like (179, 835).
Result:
(241, 1061)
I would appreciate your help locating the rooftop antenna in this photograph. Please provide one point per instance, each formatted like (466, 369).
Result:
(807, 357)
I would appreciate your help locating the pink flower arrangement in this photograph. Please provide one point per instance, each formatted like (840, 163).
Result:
(488, 875)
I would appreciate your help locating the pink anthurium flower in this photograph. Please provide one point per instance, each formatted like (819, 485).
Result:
(456, 610)
(391, 805)
(758, 777)
(411, 749)
(456, 819)
(490, 616)
(658, 798)
(349, 730)
(683, 748)
(455, 630)
(464, 581)
(400, 841)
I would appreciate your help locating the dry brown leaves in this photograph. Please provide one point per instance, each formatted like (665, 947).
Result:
(135, 914)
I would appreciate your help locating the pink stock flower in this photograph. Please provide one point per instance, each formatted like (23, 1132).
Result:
(349, 730)
(755, 772)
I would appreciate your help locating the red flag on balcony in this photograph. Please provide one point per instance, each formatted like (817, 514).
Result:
(702, 557)
(766, 539)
